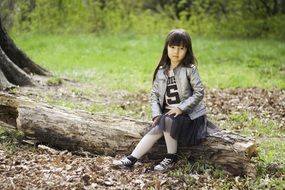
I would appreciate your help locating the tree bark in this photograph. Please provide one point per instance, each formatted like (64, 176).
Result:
(102, 134)
(12, 72)
(4, 83)
(17, 56)
(15, 66)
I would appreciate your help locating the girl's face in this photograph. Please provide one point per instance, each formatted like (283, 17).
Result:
(176, 53)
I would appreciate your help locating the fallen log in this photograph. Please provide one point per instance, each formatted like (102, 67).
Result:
(109, 135)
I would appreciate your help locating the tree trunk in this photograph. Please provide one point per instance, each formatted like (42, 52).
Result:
(12, 73)
(15, 66)
(4, 83)
(101, 134)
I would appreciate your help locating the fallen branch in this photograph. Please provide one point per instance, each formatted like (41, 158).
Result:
(102, 134)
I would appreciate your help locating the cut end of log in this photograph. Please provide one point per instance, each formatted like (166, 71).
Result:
(249, 148)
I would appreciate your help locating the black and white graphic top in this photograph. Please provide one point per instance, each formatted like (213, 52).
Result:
(171, 96)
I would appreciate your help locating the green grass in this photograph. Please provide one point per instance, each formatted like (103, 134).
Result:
(127, 61)
(242, 63)
(246, 124)
(269, 135)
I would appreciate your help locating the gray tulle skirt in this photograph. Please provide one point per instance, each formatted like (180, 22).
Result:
(186, 131)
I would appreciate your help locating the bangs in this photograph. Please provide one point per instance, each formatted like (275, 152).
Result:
(177, 39)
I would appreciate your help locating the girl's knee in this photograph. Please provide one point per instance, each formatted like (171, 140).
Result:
(156, 130)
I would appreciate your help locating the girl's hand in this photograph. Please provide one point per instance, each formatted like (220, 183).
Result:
(174, 111)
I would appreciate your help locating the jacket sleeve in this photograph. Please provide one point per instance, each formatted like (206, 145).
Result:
(154, 99)
(198, 91)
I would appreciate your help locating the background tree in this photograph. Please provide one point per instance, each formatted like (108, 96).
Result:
(15, 66)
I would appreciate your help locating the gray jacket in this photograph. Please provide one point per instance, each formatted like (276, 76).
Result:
(190, 89)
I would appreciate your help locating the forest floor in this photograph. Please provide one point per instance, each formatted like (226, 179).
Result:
(253, 112)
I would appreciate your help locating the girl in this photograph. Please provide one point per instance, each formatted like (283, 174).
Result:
(176, 102)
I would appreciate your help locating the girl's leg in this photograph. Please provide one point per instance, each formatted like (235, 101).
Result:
(171, 145)
(153, 136)
(147, 142)
(143, 147)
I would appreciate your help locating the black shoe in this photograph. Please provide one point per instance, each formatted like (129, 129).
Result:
(129, 161)
(166, 163)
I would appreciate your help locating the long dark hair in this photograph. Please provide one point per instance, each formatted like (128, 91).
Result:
(177, 37)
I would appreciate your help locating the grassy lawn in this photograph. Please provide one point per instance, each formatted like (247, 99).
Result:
(115, 62)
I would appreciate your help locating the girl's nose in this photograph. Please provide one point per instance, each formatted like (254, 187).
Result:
(176, 50)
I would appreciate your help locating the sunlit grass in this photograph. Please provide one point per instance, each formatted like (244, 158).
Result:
(245, 123)
(272, 150)
(268, 134)
(127, 61)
